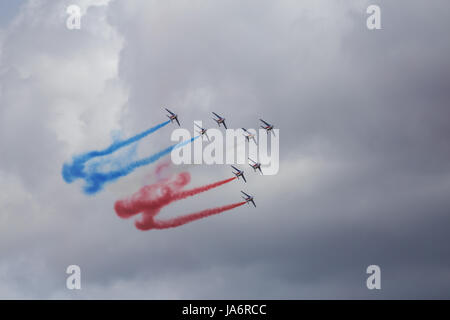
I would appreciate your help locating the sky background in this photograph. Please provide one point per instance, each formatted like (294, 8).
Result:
(364, 120)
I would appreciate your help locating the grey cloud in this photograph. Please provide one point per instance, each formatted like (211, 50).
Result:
(364, 177)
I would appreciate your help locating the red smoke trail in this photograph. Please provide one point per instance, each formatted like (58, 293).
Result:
(189, 193)
(148, 220)
(160, 168)
(161, 171)
(149, 201)
(151, 197)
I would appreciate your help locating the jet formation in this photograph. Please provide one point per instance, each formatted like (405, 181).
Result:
(249, 136)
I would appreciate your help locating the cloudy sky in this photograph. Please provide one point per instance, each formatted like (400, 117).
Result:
(364, 120)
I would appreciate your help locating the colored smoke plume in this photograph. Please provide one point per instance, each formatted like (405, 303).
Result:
(150, 199)
(148, 220)
(75, 170)
(96, 179)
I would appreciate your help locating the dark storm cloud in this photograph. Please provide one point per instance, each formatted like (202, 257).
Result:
(364, 178)
(376, 104)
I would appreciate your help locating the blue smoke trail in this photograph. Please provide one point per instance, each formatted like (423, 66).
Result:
(75, 170)
(96, 180)
(112, 162)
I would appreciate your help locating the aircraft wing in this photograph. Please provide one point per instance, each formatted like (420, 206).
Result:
(267, 124)
(244, 178)
(244, 129)
(235, 168)
(253, 202)
(217, 115)
(260, 170)
(198, 126)
(206, 136)
(169, 111)
(251, 160)
(225, 125)
(245, 194)
(176, 119)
